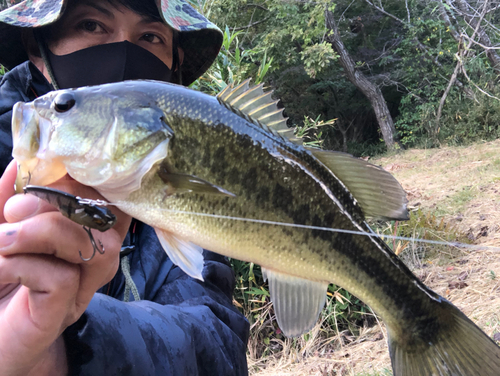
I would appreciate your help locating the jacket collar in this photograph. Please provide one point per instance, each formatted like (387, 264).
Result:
(28, 80)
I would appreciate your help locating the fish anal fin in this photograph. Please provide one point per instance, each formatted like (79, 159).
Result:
(184, 254)
(378, 193)
(297, 301)
(183, 183)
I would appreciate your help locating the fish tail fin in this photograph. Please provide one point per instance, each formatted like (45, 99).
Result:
(456, 348)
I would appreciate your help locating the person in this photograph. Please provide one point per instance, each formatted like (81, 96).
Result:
(62, 315)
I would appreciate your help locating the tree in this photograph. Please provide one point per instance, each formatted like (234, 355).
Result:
(407, 51)
(474, 17)
(358, 79)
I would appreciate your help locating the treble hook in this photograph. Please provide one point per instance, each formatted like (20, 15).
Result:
(94, 245)
(86, 212)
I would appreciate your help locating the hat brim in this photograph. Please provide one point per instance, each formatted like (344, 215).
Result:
(199, 39)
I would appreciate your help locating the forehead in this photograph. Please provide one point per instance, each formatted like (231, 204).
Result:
(146, 9)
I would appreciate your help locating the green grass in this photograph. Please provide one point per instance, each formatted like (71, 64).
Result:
(461, 198)
(384, 372)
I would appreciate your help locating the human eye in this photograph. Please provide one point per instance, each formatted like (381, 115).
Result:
(91, 26)
(152, 38)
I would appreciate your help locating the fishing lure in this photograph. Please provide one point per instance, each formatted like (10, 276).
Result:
(91, 214)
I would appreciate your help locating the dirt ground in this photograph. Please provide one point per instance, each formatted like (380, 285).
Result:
(461, 185)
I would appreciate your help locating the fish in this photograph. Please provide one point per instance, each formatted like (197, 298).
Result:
(226, 174)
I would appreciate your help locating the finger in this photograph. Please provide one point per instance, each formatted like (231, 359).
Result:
(52, 234)
(42, 307)
(7, 186)
(50, 285)
(6, 290)
(24, 206)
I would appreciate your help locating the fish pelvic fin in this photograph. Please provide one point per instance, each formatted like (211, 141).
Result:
(297, 302)
(459, 348)
(256, 105)
(184, 254)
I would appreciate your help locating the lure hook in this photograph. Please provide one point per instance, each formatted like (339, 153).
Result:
(91, 214)
(94, 245)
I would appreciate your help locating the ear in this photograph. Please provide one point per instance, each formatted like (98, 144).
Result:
(181, 55)
(29, 43)
(31, 47)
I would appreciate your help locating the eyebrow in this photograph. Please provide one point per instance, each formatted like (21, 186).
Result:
(96, 6)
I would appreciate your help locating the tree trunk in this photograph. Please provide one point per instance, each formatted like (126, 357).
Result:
(484, 39)
(443, 98)
(358, 79)
(446, 19)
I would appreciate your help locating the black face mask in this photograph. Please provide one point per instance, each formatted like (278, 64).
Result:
(107, 63)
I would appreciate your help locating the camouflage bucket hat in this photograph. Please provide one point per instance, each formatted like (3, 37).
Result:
(199, 38)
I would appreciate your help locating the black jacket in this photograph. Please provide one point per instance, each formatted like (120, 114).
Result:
(181, 326)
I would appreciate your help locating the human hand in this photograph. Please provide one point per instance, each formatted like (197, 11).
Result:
(44, 284)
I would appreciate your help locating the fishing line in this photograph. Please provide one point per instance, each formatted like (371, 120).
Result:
(337, 230)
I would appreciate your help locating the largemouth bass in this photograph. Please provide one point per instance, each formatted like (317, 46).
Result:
(225, 174)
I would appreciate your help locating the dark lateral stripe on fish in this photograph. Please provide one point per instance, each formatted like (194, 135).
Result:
(220, 151)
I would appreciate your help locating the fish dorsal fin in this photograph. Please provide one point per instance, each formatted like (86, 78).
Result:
(297, 301)
(232, 92)
(378, 193)
(257, 106)
(184, 254)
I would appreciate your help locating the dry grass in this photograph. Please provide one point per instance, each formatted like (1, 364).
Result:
(460, 185)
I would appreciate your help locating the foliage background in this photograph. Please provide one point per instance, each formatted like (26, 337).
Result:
(404, 47)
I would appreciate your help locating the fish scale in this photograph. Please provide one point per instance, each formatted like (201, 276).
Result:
(177, 151)
(254, 154)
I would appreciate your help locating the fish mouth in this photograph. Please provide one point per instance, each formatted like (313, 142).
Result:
(31, 135)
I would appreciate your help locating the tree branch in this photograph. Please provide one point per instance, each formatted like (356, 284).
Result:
(256, 6)
(445, 95)
(250, 25)
(382, 10)
(461, 55)
(484, 39)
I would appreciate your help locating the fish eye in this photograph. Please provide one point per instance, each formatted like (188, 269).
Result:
(64, 102)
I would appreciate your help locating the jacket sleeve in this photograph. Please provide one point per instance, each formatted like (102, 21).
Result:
(181, 326)
(9, 95)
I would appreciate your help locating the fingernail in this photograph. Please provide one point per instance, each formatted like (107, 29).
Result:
(8, 234)
(20, 207)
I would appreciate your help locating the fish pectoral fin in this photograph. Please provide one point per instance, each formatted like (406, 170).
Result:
(297, 301)
(184, 254)
(378, 193)
(181, 183)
